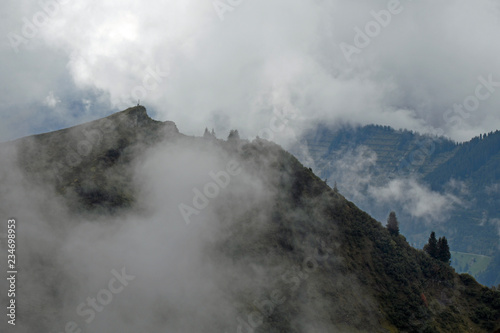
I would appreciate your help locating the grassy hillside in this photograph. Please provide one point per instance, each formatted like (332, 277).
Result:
(469, 262)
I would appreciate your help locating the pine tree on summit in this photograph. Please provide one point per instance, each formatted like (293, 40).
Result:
(393, 224)
(209, 135)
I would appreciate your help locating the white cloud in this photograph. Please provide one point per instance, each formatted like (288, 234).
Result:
(352, 170)
(356, 174)
(417, 199)
(51, 100)
(422, 63)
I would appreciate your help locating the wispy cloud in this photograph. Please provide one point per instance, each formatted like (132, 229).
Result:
(416, 198)
(233, 253)
(357, 175)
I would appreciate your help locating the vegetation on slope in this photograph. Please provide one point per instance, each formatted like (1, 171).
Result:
(343, 269)
(469, 171)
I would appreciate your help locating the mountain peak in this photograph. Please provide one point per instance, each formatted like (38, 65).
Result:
(136, 111)
(103, 140)
(137, 117)
(297, 243)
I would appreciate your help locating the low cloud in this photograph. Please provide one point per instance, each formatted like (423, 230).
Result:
(353, 171)
(416, 198)
(147, 269)
(221, 72)
(358, 178)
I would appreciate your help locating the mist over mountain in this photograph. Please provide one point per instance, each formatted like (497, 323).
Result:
(124, 224)
(65, 63)
(432, 182)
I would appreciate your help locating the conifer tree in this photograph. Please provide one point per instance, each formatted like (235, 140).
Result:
(233, 135)
(393, 224)
(443, 250)
(431, 247)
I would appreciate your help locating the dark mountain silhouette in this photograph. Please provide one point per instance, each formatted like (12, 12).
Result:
(280, 251)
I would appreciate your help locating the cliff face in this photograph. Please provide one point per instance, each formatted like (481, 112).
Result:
(215, 236)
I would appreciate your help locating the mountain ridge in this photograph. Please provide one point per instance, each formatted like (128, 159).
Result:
(284, 251)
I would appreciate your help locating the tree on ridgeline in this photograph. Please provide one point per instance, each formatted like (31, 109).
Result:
(209, 135)
(438, 249)
(443, 250)
(233, 135)
(393, 224)
(431, 246)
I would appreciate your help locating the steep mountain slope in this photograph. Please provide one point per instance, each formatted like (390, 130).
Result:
(476, 161)
(84, 158)
(215, 235)
(383, 169)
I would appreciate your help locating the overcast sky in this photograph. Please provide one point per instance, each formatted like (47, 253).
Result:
(240, 64)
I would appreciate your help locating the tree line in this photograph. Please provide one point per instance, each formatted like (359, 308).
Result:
(436, 248)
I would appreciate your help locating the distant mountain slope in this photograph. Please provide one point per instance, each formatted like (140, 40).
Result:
(398, 152)
(463, 178)
(271, 247)
(476, 161)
